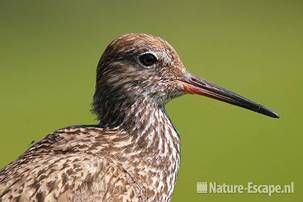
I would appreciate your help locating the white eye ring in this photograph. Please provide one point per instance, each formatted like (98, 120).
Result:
(148, 59)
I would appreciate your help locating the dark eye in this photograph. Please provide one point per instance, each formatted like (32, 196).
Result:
(148, 59)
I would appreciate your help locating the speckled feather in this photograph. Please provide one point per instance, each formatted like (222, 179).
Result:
(133, 154)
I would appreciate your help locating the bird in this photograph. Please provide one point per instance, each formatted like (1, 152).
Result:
(133, 152)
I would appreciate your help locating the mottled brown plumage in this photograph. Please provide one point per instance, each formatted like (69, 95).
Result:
(133, 154)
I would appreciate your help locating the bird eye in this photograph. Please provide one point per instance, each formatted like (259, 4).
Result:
(148, 59)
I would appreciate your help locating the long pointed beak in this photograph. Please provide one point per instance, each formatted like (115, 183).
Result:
(194, 85)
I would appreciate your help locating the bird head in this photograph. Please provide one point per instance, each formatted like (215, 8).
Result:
(143, 67)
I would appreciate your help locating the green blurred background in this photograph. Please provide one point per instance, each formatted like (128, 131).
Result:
(48, 56)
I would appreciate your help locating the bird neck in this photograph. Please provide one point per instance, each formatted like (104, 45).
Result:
(127, 114)
(147, 124)
(151, 141)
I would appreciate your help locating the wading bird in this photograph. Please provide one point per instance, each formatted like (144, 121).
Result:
(133, 153)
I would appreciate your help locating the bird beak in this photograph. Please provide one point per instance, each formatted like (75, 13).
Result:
(193, 85)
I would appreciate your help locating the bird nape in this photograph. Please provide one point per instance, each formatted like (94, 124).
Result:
(133, 153)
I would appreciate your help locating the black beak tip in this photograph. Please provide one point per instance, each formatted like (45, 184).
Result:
(275, 115)
(268, 112)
